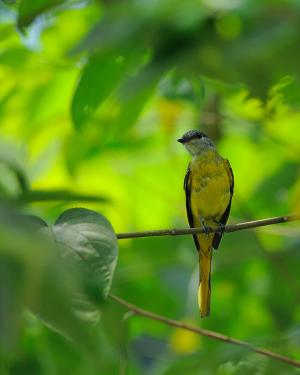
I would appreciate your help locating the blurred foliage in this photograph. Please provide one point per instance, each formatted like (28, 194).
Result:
(93, 95)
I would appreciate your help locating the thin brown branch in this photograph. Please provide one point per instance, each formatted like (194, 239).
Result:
(204, 332)
(227, 229)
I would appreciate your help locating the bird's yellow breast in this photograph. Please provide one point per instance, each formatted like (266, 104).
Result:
(210, 188)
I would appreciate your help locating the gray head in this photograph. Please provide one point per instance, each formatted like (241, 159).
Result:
(196, 142)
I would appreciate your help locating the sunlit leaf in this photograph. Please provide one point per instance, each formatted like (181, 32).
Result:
(11, 162)
(101, 76)
(135, 93)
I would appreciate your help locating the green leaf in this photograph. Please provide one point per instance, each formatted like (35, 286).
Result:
(89, 244)
(58, 195)
(9, 159)
(35, 222)
(135, 93)
(32, 276)
(61, 273)
(53, 302)
(29, 10)
(120, 24)
(11, 289)
(100, 77)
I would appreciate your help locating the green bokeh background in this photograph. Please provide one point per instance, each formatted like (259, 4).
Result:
(93, 95)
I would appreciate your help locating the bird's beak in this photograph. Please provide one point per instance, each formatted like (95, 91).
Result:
(180, 140)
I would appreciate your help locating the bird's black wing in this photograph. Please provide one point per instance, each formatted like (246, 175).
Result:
(224, 218)
(187, 189)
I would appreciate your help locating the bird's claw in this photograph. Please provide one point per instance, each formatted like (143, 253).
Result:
(221, 228)
(205, 228)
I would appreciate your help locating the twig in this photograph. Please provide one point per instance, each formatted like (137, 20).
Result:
(204, 332)
(227, 229)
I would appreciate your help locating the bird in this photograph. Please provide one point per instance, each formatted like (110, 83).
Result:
(208, 186)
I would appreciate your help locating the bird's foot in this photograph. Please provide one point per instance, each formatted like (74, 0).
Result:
(205, 227)
(221, 227)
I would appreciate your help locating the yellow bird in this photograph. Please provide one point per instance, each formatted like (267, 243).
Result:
(208, 186)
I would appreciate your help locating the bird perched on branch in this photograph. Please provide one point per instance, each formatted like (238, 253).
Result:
(208, 186)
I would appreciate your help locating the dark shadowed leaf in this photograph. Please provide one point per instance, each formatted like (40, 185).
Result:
(120, 24)
(29, 10)
(11, 289)
(33, 276)
(34, 222)
(58, 195)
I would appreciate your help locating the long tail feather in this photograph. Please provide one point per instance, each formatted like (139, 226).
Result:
(204, 291)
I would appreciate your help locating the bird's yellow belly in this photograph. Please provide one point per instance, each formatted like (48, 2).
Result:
(210, 192)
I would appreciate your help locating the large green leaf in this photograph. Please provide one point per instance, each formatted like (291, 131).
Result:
(101, 76)
(60, 273)
(32, 275)
(88, 243)
(135, 93)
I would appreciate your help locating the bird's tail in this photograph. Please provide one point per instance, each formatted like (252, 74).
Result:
(204, 291)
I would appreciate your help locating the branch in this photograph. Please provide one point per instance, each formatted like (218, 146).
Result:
(204, 332)
(227, 229)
